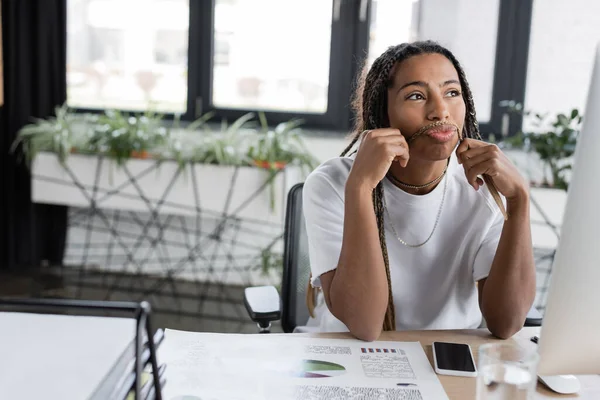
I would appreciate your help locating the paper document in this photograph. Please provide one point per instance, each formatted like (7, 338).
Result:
(58, 357)
(210, 366)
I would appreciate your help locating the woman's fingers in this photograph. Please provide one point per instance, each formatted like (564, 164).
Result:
(398, 153)
(470, 148)
(478, 159)
(490, 167)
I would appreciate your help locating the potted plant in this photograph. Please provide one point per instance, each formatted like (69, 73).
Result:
(54, 134)
(142, 142)
(123, 136)
(275, 149)
(226, 147)
(553, 139)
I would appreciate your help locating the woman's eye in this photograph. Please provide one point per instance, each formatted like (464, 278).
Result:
(415, 96)
(454, 93)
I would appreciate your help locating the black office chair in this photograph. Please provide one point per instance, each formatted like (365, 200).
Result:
(263, 302)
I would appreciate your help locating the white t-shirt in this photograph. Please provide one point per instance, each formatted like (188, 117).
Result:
(434, 285)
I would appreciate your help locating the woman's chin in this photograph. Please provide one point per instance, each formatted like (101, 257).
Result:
(434, 152)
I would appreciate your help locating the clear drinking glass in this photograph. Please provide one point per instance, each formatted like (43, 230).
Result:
(506, 372)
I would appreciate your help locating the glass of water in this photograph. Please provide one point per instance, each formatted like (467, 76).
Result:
(506, 371)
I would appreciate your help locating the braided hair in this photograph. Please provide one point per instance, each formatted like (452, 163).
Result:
(370, 105)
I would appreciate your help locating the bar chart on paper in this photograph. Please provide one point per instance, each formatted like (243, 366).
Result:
(365, 350)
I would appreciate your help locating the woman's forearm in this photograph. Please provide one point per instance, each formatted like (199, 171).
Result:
(358, 294)
(509, 290)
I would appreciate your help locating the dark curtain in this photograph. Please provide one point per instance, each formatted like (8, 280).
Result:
(34, 49)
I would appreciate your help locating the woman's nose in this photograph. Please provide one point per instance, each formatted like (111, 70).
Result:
(438, 109)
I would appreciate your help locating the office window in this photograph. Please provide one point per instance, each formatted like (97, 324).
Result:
(127, 54)
(291, 59)
(564, 36)
(392, 22)
(272, 55)
(467, 27)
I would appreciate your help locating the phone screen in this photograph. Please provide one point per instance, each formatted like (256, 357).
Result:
(454, 356)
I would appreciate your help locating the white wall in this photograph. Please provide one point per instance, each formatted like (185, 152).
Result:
(564, 35)
(324, 148)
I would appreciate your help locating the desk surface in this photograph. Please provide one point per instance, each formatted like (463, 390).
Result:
(464, 388)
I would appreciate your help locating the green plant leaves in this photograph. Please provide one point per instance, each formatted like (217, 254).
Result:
(281, 146)
(553, 139)
(574, 113)
(122, 136)
(53, 134)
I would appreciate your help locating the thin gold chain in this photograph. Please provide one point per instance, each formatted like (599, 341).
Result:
(408, 185)
(437, 219)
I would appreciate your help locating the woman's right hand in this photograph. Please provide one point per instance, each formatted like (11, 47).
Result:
(378, 149)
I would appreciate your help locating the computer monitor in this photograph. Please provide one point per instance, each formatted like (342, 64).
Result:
(570, 335)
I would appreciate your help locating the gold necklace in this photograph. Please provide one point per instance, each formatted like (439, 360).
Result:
(437, 219)
(417, 187)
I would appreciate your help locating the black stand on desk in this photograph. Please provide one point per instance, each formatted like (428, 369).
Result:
(141, 312)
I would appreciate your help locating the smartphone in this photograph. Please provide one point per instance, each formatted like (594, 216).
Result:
(453, 359)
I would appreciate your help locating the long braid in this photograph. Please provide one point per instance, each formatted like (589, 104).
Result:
(371, 99)
(389, 322)
(370, 108)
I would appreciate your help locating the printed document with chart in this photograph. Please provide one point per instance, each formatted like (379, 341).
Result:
(207, 366)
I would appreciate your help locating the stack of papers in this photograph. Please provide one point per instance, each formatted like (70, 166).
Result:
(224, 366)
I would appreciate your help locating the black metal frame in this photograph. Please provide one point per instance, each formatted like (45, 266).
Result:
(510, 72)
(196, 238)
(290, 271)
(200, 57)
(141, 311)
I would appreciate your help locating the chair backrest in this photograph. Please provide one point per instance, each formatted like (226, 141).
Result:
(296, 263)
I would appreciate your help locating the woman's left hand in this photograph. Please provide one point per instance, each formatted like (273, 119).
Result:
(480, 158)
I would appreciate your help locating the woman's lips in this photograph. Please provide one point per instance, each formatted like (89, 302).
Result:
(437, 130)
(442, 134)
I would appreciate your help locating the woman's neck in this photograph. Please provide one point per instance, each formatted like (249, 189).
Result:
(417, 173)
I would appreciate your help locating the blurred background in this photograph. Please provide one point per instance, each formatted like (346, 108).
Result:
(148, 146)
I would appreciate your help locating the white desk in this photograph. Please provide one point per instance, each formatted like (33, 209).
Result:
(459, 388)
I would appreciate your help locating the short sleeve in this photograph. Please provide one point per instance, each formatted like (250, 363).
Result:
(324, 217)
(487, 250)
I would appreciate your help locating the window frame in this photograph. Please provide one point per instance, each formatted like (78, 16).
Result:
(510, 71)
(344, 39)
(349, 48)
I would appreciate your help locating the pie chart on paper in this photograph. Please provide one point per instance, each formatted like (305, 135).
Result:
(318, 369)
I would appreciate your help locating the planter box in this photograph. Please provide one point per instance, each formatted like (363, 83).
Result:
(201, 223)
(147, 185)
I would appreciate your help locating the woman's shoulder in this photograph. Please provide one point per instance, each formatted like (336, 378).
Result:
(333, 172)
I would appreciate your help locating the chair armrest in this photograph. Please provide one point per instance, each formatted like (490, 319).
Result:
(263, 305)
(534, 318)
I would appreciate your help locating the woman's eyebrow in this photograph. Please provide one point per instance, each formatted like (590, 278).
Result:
(413, 83)
(450, 82)
(425, 85)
